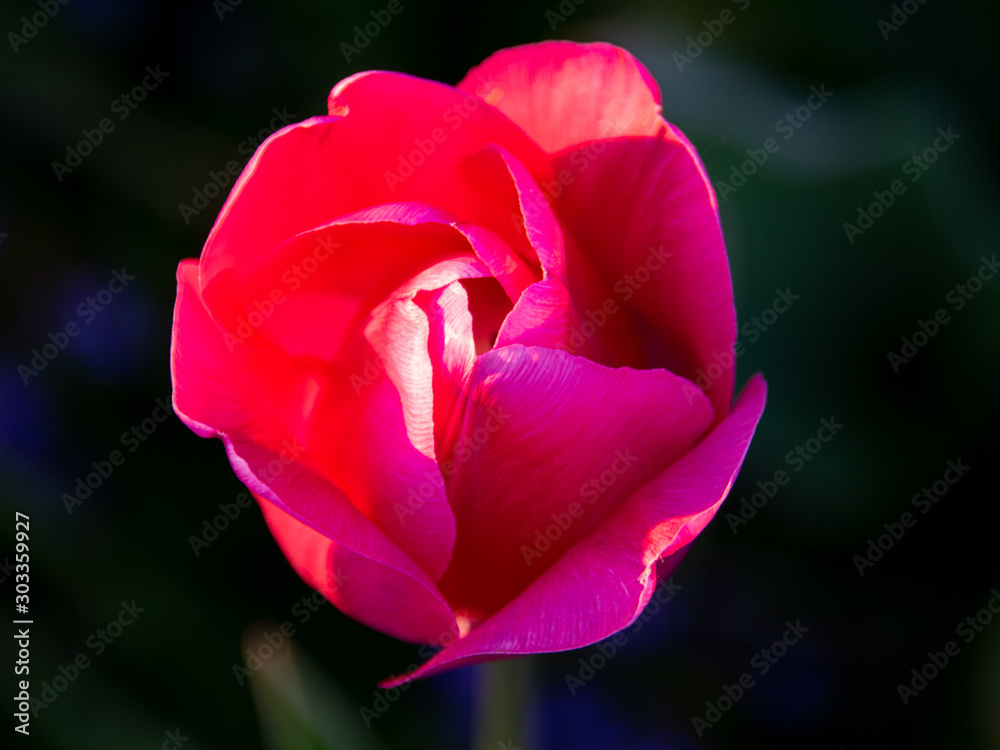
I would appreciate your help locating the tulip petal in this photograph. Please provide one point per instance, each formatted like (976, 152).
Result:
(350, 424)
(512, 272)
(312, 172)
(210, 375)
(601, 585)
(543, 313)
(340, 554)
(452, 351)
(524, 414)
(668, 271)
(226, 394)
(564, 93)
(339, 271)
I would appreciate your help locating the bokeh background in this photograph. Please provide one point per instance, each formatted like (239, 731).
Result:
(169, 676)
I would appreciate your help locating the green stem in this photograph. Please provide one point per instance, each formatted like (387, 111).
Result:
(502, 696)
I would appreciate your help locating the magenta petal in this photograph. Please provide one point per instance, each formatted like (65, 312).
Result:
(668, 273)
(543, 314)
(312, 172)
(452, 351)
(281, 192)
(582, 438)
(534, 219)
(564, 93)
(398, 331)
(601, 585)
(229, 394)
(338, 271)
(377, 447)
(426, 131)
(338, 552)
(212, 384)
(352, 431)
(506, 266)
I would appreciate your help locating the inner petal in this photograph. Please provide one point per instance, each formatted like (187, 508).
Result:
(549, 445)
(489, 306)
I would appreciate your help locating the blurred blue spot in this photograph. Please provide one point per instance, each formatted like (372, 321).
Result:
(455, 691)
(665, 625)
(28, 423)
(580, 721)
(114, 342)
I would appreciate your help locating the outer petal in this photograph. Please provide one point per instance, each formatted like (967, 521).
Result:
(655, 249)
(265, 402)
(361, 585)
(570, 469)
(564, 93)
(601, 585)
(327, 279)
(212, 384)
(390, 138)
(628, 183)
(361, 400)
(339, 553)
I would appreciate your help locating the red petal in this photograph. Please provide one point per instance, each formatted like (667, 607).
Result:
(601, 585)
(528, 454)
(564, 93)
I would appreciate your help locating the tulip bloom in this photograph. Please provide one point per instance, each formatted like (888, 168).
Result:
(471, 349)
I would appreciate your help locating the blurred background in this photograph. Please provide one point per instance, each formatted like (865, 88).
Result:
(144, 615)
